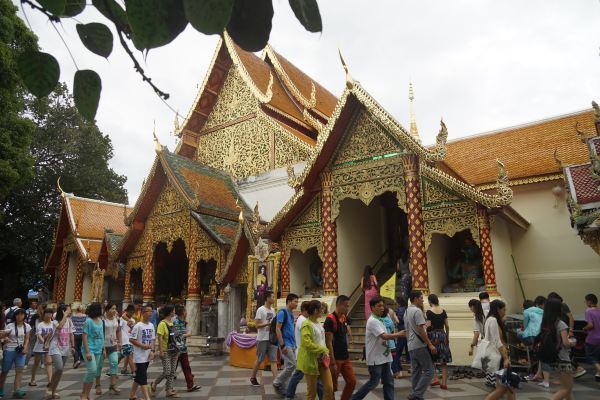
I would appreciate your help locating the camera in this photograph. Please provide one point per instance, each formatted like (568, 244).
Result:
(19, 348)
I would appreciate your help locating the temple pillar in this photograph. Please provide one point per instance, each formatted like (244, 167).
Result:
(61, 278)
(148, 273)
(487, 258)
(193, 304)
(416, 227)
(284, 272)
(127, 288)
(78, 280)
(330, 267)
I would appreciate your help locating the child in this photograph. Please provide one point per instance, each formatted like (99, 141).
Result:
(592, 341)
(142, 338)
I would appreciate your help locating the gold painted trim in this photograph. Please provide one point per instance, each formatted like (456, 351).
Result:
(308, 103)
(262, 97)
(524, 181)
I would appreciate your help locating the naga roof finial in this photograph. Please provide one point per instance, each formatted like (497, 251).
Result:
(157, 146)
(62, 192)
(414, 131)
(241, 216)
(349, 79)
(504, 191)
(176, 126)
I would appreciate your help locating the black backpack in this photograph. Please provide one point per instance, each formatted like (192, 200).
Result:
(546, 346)
(10, 316)
(273, 328)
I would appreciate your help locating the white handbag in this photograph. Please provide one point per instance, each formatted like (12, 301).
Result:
(487, 358)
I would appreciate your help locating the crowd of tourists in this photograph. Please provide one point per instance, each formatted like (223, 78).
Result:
(318, 352)
(50, 333)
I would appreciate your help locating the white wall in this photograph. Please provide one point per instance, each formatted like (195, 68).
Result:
(506, 278)
(86, 292)
(360, 240)
(549, 255)
(299, 266)
(436, 267)
(71, 272)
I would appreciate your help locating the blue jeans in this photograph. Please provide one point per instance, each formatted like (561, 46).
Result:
(12, 359)
(297, 376)
(377, 373)
(401, 345)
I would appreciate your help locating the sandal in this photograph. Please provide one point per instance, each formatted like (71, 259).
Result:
(153, 388)
(114, 390)
(194, 388)
(98, 390)
(32, 383)
(172, 394)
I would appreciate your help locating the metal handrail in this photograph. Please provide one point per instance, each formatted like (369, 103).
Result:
(357, 292)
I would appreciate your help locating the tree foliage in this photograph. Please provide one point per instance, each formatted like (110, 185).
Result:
(149, 24)
(63, 145)
(15, 131)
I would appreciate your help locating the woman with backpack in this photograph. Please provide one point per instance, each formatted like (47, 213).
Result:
(495, 334)
(17, 334)
(167, 350)
(112, 344)
(554, 347)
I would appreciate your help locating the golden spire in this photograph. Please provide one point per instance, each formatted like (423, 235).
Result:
(414, 131)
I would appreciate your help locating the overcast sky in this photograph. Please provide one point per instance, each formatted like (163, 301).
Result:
(481, 65)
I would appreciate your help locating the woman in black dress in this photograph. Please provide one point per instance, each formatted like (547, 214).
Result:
(439, 333)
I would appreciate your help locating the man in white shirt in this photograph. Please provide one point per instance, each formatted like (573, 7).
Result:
(263, 318)
(484, 298)
(378, 352)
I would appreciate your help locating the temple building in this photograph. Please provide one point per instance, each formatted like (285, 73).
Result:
(276, 184)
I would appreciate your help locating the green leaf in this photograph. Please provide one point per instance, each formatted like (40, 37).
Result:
(39, 72)
(155, 22)
(74, 7)
(86, 92)
(208, 16)
(96, 37)
(114, 12)
(55, 7)
(307, 12)
(250, 23)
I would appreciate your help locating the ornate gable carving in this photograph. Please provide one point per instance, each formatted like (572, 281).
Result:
(235, 100)
(365, 139)
(305, 231)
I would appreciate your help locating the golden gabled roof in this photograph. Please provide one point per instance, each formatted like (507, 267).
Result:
(526, 151)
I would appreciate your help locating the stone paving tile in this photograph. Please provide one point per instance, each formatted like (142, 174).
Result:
(219, 381)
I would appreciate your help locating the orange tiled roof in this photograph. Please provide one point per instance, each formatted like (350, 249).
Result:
(92, 248)
(585, 187)
(92, 216)
(325, 100)
(526, 151)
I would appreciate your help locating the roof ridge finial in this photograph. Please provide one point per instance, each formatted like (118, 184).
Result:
(414, 131)
(62, 192)
(349, 79)
(176, 126)
(157, 146)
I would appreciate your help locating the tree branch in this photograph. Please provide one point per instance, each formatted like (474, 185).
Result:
(51, 17)
(138, 68)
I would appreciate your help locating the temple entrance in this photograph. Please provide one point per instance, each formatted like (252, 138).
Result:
(306, 272)
(373, 235)
(170, 272)
(456, 265)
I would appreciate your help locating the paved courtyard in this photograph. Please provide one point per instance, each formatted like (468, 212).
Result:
(220, 381)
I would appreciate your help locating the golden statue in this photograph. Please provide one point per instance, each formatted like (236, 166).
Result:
(97, 283)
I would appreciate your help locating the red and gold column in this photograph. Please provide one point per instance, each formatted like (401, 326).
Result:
(77, 293)
(61, 280)
(127, 286)
(193, 291)
(416, 228)
(148, 272)
(487, 257)
(285, 272)
(330, 267)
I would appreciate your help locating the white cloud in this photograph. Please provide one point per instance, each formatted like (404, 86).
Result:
(481, 65)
